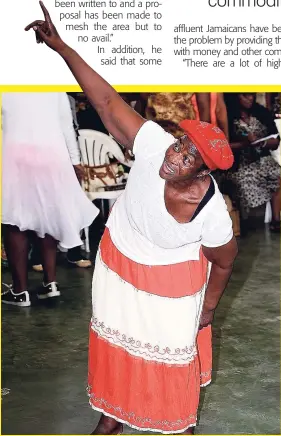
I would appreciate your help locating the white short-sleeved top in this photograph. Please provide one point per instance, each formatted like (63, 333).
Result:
(140, 225)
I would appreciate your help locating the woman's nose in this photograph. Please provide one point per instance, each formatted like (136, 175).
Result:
(175, 158)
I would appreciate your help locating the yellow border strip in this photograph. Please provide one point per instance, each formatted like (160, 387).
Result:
(146, 88)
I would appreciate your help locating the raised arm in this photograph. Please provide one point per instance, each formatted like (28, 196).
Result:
(118, 117)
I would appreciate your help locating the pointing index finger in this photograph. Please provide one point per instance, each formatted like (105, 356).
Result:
(45, 12)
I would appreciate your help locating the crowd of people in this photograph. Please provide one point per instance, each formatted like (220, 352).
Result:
(252, 181)
(248, 120)
(168, 248)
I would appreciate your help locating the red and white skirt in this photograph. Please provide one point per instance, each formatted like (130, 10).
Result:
(147, 359)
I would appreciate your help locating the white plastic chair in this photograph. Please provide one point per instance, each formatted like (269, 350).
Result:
(128, 163)
(96, 149)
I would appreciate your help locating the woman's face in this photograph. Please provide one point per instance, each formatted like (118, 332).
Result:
(246, 100)
(182, 161)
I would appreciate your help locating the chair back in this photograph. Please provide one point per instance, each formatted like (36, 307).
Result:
(97, 147)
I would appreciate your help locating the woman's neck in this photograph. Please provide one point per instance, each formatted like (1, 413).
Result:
(188, 184)
(245, 113)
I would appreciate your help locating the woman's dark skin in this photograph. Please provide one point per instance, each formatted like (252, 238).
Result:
(185, 185)
(221, 114)
(246, 102)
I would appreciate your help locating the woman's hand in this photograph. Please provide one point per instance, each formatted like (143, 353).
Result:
(207, 318)
(118, 118)
(252, 138)
(46, 32)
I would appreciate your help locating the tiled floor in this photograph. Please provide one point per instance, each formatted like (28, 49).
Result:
(44, 353)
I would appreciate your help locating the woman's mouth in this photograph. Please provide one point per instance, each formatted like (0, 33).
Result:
(168, 168)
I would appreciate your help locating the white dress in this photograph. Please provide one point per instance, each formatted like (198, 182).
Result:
(147, 359)
(40, 191)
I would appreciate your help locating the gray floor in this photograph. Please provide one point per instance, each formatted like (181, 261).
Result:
(44, 354)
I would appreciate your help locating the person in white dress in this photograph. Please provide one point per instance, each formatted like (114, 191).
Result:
(40, 188)
(74, 256)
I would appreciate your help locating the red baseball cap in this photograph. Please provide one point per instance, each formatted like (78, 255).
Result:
(211, 143)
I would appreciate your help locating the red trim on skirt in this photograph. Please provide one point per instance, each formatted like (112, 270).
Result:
(145, 394)
(178, 280)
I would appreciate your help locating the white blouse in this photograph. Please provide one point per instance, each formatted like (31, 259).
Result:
(140, 225)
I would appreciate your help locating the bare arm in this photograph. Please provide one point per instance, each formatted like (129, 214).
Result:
(238, 144)
(271, 144)
(203, 103)
(243, 141)
(222, 259)
(221, 114)
(117, 116)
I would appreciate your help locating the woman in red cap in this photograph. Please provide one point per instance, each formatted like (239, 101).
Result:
(163, 263)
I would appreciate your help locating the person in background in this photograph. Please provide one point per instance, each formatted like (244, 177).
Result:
(87, 116)
(256, 174)
(41, 193)
(4, 260)
(168, 109)
(73, 106)
(162, 266)
(218, 111)
(274, 103)
(277, 105)
(132, 99)
(261, 99)
(74, 255)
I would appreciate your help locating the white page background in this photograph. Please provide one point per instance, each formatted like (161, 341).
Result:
(26, 63)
